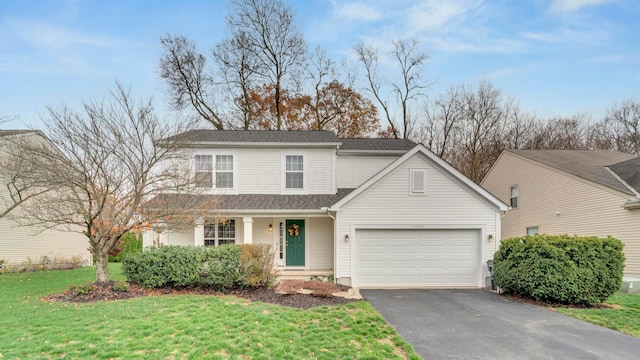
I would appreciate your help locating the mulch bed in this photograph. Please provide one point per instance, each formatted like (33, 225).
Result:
(105, 292)
(557, 305)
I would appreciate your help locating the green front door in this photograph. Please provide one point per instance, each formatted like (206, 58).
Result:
(295, 242)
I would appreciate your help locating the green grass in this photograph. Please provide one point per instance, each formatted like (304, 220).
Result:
(623, 316)
(181, 327)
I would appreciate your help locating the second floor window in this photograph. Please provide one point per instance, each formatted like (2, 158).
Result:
(206, 168)
(224, 171)
(514, 197)
(294, 172)
(204, 171)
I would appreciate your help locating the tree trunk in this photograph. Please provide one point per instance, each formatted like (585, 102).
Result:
(102, 266)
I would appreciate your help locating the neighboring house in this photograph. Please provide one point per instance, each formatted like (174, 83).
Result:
(582, 192)
(23, 243)
(369, 212)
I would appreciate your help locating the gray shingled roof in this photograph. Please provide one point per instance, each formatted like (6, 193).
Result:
(376, 144)
(629, 171)
(13, 132)
(258, 136)
(587, 164)
(264, 201)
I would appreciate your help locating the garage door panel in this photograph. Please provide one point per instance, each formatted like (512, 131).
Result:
(417, 257)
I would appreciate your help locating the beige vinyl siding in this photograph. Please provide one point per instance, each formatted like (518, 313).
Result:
(261, 234)
(18, 244)
(182, 237)
(354, 170)
(388, 203)
(560, 203)
(321, 243)
(260, 170)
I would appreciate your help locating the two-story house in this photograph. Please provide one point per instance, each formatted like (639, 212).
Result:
(19, 243)
(581, 192)
(370, 212)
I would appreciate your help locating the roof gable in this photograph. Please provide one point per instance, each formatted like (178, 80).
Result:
(587, 164)
(629, 172)
(465, 181)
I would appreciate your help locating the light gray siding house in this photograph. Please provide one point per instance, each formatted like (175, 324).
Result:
(582, 192)
(22, 243)
(369, 212)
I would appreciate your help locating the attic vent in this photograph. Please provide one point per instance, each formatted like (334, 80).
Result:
(418, 182)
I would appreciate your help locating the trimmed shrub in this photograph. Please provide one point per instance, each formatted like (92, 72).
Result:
(186, 267)
(560, 269)
(221, 268)
(257, 265)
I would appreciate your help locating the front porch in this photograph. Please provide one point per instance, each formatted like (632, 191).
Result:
(322, 275)
(303, 242)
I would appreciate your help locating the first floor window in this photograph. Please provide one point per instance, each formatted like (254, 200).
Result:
(533, 230)
(221, 232)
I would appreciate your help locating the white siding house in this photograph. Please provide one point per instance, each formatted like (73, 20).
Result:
(369, 212)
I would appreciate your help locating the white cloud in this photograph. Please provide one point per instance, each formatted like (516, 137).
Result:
(356, 11)
(573, 5)
(433, 15)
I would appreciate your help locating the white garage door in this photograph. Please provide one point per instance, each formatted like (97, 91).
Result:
(437, 258)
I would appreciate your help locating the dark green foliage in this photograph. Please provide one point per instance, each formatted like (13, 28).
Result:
(130, 243)
(560, 269)
(190, 267)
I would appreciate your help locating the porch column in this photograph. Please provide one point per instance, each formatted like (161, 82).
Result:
(147, 238)
(248, 229)
(198, 233)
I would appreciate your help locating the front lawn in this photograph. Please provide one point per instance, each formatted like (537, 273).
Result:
(182, 326)
(623, 314)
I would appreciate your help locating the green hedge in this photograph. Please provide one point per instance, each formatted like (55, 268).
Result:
(220, 267)
(560, 269)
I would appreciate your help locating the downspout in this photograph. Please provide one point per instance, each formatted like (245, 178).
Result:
(335, 244)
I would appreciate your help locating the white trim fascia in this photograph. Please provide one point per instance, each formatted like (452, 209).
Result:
(371, 152)
(622, 181)
(419, 148)
(247, 144)
(275, 212)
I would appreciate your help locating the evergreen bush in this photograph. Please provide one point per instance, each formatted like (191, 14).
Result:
(560, 269)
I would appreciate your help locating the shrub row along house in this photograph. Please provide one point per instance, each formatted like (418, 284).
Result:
(27, 244)
(581, 192)
(368, 212)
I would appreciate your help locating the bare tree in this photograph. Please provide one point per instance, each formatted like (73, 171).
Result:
(621, 127)
(238, 68)
(270, 34)
(105, 165)
(184, 70)
(561, 133)
(407, 86)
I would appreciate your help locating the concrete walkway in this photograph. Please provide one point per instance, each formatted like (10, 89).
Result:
(478, 324)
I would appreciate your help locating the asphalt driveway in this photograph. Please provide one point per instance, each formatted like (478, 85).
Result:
(478, 324)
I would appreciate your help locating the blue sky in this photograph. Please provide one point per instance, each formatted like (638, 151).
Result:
(555, 57)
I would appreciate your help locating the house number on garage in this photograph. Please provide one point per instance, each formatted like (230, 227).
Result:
(418, 226)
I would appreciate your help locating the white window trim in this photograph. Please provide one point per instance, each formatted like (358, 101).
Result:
(216, 237)
(412, 190)
(305, 172)
(516, 197)
(214, 189)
